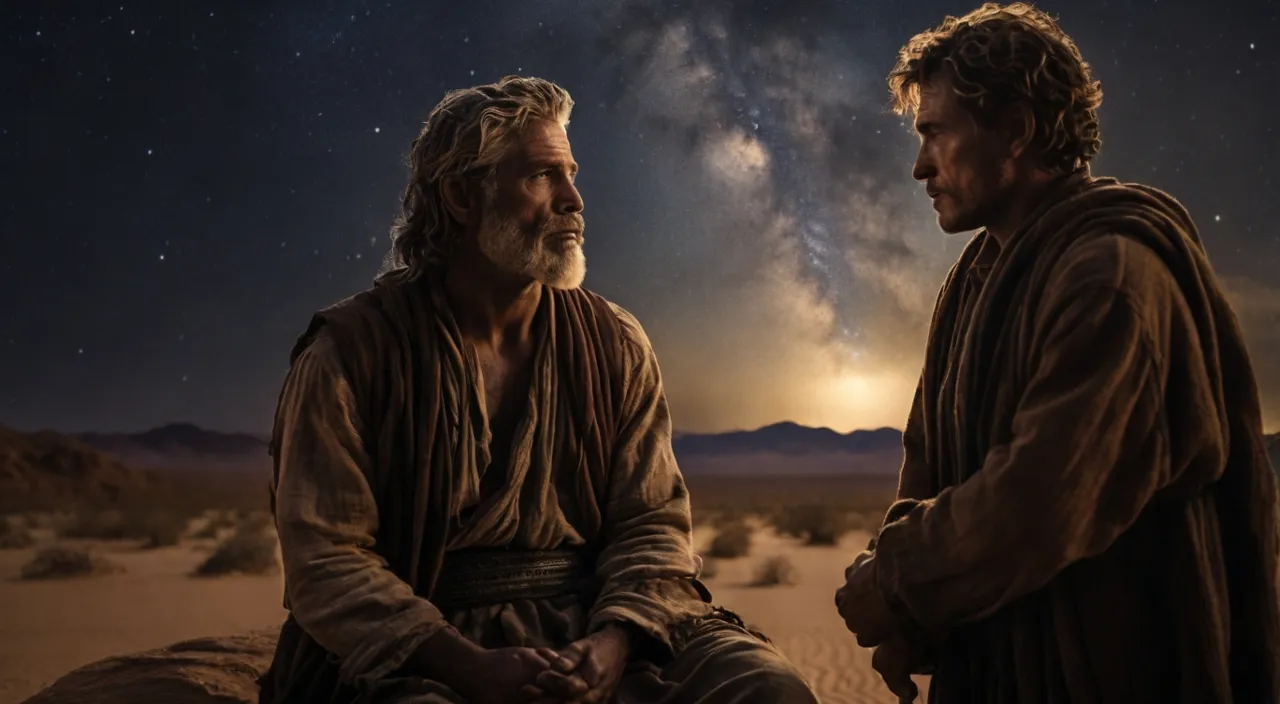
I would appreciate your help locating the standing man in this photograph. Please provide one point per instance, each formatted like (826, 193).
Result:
(475, 490)
(1085, 513)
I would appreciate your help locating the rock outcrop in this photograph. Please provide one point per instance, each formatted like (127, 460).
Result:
(201, 671)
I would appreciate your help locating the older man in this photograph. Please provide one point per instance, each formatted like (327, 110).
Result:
(1085, 509)
(475, 489)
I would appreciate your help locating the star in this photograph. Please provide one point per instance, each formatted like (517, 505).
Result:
(80, 351)
(1217, 218)
(376, 130)
(161, 257)
(148, 152)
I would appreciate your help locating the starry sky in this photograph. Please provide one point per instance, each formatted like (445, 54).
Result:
(186, 182)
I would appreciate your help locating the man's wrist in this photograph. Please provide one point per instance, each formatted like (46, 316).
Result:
(447, 655)
(631, 635)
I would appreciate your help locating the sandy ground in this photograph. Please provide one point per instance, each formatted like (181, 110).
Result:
(48, 628)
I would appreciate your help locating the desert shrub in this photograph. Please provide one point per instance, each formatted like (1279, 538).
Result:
(13, 537)
(155, 527)
(209, 531)
(256, 521)
(732, 540)
(729, 516)
(245, 552)
(96, 525)
(62, 563)
(773, 571)
(815, 525)
(215, 523)
(160, 529)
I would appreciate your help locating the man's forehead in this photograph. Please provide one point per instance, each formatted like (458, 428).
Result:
(934, 96)
(543, 141)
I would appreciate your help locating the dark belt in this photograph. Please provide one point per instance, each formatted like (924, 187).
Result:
(470, 578)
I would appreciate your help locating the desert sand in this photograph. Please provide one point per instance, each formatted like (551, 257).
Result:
(48, 628)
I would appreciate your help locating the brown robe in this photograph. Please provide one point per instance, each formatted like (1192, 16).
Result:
(1085, 511)
(382, 453)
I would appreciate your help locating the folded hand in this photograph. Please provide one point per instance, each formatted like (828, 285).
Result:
(585, 672)
(865, 612)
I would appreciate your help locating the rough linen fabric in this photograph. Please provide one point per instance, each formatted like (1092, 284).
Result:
(382, 450)
(1085, 510)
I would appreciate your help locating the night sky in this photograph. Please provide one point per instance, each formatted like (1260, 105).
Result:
(184, 183)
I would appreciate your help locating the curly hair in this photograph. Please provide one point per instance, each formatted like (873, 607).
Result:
(1000, 55)
(464, 137)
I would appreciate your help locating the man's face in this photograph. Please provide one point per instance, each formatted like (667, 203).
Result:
(532, 222)
(964, 165)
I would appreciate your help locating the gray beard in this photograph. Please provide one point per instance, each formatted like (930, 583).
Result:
(505, 244)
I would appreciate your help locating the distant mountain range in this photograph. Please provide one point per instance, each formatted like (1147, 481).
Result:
(183, 446)
(106, 467)
(50, 470)
(788, 439)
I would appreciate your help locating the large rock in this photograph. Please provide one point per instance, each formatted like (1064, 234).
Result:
(202, 671)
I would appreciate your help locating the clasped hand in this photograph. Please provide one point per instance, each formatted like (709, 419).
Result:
(866, 614)
(587, 671)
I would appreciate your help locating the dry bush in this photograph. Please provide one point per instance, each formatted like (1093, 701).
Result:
(215, 523)
(732, 540)
(773, 571)
(14, 538)
(156, 527)
(64, 563)
(730, 516)
(257, 520)
(247, 551)
(209, 531)
(815, 525)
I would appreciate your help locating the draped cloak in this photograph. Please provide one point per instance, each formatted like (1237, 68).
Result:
(381, 448)
(1086, 512)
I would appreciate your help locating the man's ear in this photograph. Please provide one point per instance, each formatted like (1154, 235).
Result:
(1019, 127)
(462, 200)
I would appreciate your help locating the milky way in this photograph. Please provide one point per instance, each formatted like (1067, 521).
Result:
(186, 184)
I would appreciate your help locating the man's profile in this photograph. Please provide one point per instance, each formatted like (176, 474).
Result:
(1085, 511)
(475, 489)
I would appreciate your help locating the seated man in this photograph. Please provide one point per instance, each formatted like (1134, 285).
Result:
(475, 489)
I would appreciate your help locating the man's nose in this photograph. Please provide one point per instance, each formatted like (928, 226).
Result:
(923, 169)
(569, 200)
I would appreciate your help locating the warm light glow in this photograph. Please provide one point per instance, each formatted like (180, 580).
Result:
(862, 400)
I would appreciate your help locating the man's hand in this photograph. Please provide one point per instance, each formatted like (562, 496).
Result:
(499, 676)
(864, 610)
(586, 672)
(893, 660)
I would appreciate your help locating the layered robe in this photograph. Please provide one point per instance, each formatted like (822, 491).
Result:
(382, 467)
(1085, 510)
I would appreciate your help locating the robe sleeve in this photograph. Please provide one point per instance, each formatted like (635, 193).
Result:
(647, 566)
(339, 590)
(915, 477)
(1087, 450)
